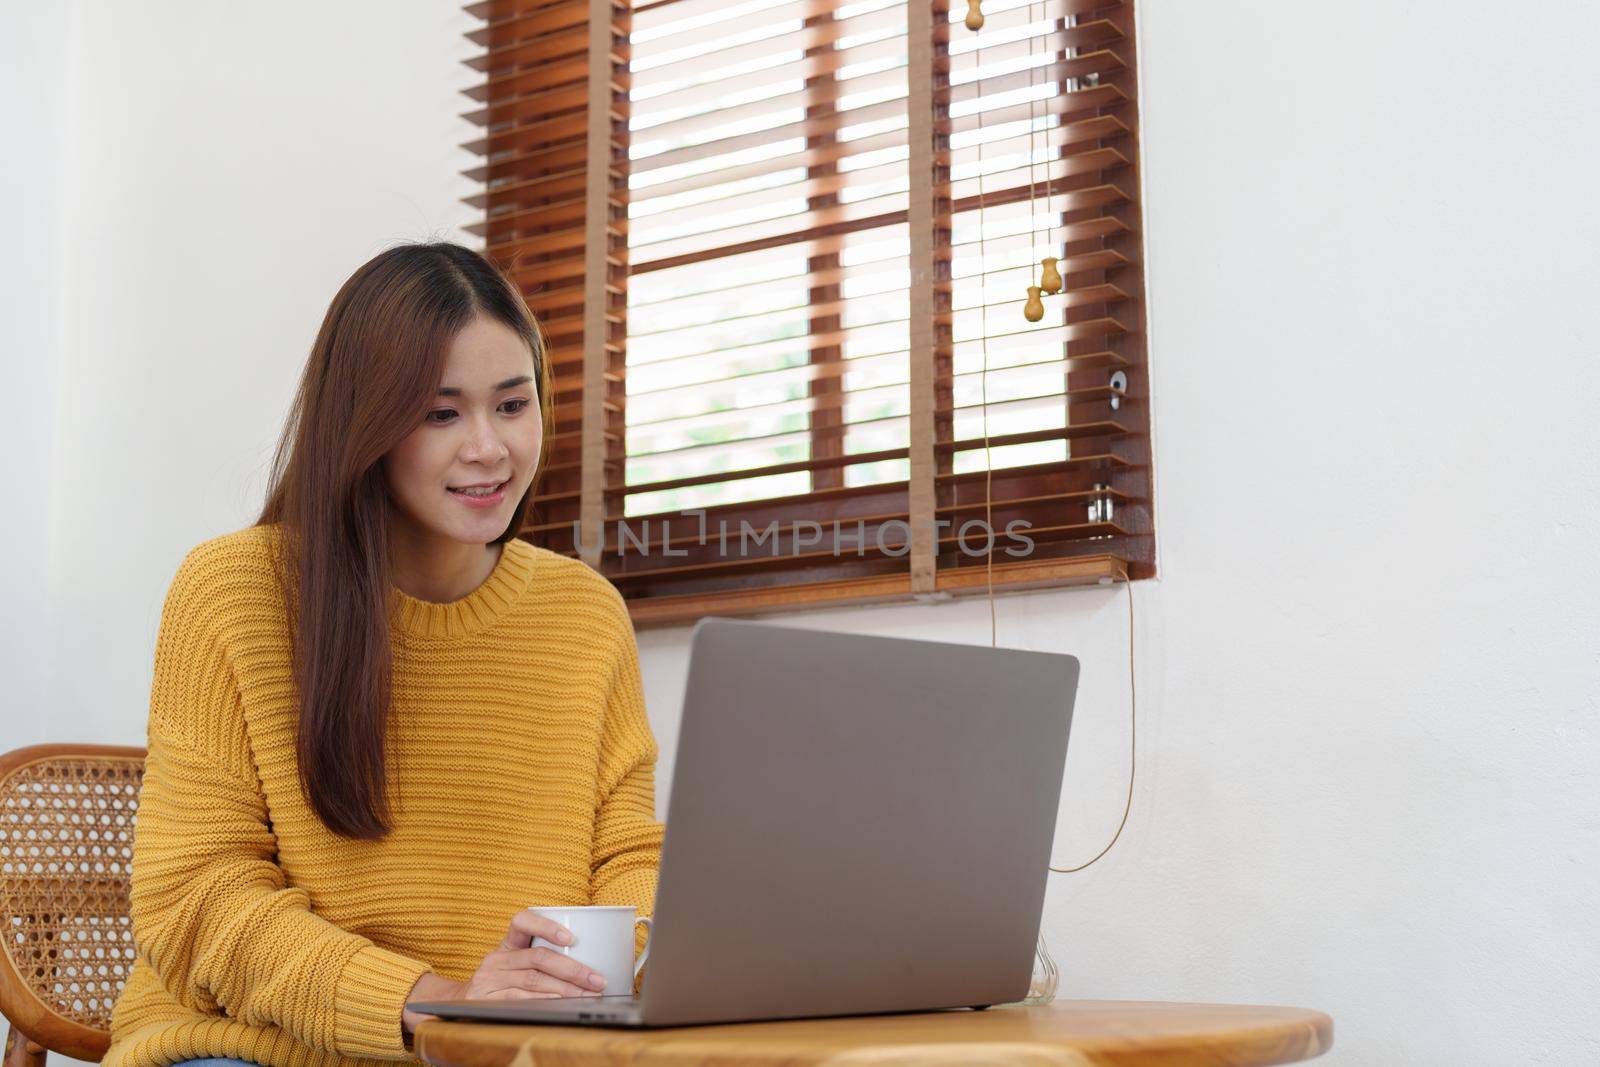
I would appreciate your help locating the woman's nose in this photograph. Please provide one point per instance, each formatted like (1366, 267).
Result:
(483, 443)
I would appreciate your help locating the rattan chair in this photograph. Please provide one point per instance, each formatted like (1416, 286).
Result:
(66, 850)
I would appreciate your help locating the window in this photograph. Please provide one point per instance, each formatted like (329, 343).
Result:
(784, 278)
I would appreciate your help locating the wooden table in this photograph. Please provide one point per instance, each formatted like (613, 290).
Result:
(1070, 1033)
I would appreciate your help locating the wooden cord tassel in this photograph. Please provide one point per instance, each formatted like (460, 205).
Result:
(1050, 278)
(974, 16)
(1033, 310)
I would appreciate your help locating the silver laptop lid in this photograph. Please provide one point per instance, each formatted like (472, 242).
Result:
(856, 825)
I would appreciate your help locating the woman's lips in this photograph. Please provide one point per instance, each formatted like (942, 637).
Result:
(488, 501)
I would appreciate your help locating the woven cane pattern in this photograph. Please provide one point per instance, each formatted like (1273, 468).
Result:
(66, 845)
(521, 773)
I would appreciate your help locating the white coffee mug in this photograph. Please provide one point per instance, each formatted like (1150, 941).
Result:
(602, 940)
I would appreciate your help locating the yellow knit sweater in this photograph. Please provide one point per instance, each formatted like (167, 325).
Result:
(521, 774)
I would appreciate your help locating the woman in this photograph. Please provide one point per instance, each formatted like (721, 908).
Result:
(380, 726)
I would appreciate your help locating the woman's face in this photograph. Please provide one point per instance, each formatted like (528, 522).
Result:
(482, 429)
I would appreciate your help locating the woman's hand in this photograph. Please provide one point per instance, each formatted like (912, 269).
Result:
(515, 971)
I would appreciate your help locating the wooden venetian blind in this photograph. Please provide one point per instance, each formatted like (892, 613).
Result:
(781, 252)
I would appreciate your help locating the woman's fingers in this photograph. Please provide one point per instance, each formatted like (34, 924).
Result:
(552, 963)
(527, 925)
(537, 981)
(520, 994)
(527, 982)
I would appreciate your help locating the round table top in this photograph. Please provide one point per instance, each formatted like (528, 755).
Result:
(1065, 1033)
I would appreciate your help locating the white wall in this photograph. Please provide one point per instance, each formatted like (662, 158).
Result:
(37, 53)
(1367, 678)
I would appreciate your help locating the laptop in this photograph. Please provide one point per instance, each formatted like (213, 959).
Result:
(857, 826)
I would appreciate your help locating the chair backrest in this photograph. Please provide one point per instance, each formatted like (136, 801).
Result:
(66, 854)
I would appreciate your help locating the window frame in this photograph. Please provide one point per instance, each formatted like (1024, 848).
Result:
(542, 133)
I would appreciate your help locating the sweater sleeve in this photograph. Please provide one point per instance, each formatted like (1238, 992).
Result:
(627, 839)
(213, 913)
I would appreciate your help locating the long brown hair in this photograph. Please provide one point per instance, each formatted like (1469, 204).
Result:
(368, 383)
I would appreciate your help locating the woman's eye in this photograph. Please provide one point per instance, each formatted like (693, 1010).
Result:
(444, 415)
